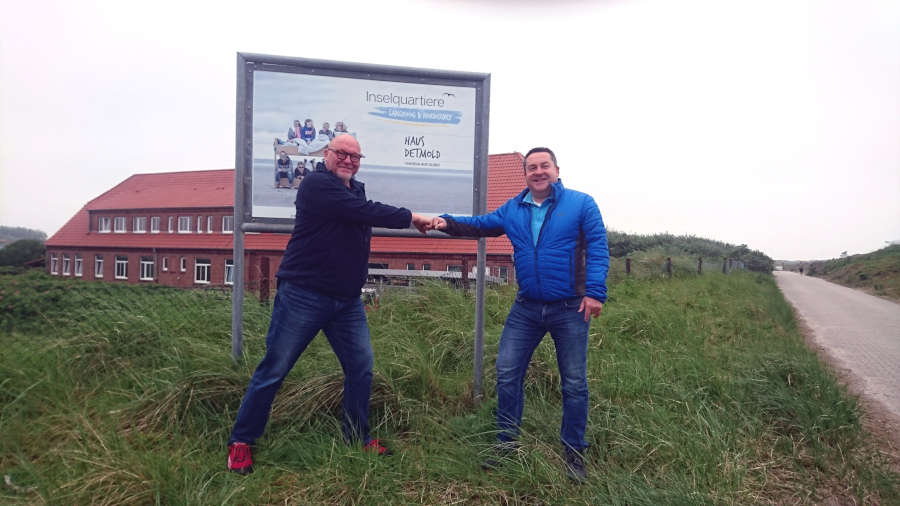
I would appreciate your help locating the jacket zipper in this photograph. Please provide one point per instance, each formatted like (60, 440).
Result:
(537, 274)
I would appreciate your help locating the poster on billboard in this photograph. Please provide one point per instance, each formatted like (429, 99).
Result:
(422, 132)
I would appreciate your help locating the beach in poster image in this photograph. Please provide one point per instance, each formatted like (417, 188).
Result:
(429, 192)
(418, 139)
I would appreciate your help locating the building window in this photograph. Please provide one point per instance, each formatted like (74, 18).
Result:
(209, 220)
(121, 267)
(54, 264)
(410, 267)
(171, 224)
(66, 264)
(454, 268)
(227, 224)
(119, 225)
(183, 264)
(165, 266)
(140, 225)
(154, 225)
(504, 274)
(199, 224)
(79, 265)
(229, 272)
(147, 268)
(426, 267)
(378, 266)
(98, 266)
(201, 271)
(104, 225)
(184, 224)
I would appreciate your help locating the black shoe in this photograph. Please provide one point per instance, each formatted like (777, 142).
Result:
(575, 466)
(500, 453)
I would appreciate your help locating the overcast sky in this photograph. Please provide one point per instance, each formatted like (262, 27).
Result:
(770, 123)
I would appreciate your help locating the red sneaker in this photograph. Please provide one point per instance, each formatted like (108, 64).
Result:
(239, 459)
(375, 446)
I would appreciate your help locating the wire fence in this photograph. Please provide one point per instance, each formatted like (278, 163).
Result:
(647, 266)
(641, 266)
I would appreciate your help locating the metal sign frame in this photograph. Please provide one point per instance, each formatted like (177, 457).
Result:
(248, 64)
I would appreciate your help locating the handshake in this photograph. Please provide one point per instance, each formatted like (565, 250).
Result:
(424, 224)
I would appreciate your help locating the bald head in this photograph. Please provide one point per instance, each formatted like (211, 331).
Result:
(345, 142)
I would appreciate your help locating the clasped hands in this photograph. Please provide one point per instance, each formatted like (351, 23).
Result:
(589, 306)
(424, 224)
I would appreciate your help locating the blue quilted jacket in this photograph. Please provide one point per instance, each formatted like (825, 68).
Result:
(571, 257)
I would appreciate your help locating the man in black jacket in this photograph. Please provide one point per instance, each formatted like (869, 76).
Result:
(319, 282)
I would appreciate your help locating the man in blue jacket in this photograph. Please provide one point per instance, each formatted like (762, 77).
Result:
(319, 283)
(561, 258)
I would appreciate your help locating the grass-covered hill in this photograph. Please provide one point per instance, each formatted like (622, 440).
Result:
(12, 234)
(702, 392)
(17, 253)
(877, 272)
(623, 245)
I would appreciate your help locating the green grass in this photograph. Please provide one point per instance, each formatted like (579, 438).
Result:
(701, 393)
(877, 272)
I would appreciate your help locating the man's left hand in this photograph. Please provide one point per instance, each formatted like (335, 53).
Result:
(420, 222)
(591, 307)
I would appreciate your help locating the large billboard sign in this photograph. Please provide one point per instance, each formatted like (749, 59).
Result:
(423, 133)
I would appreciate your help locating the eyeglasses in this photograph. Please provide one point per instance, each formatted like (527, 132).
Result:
(342, 155)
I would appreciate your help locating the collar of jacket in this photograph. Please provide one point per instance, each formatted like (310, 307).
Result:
(355, 184)
(557, 190)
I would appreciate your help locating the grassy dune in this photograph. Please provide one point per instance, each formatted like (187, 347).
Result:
(701, 393)
(877, 272)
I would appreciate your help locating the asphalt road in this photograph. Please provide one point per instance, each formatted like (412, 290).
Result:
(859, 331)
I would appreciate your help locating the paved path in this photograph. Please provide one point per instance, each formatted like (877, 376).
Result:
(860, 331)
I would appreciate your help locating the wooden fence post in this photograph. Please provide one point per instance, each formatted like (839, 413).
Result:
(724, 263)
(669, 266)
(465, 273)
(699, 265)
(627, 266)
(264, 279)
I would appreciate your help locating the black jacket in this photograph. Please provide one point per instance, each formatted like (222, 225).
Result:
(329, 248)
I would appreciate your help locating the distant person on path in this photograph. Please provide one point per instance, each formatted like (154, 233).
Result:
(801, 271)
(319, 285)
(562, 259)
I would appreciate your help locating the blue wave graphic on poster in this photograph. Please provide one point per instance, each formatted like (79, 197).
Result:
(418, 115)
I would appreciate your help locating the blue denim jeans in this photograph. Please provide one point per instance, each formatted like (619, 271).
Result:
(297, 317)
(526, 325)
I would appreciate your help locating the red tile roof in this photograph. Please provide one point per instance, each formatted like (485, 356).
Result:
(194, 189)
(202, 189)
(211, 189)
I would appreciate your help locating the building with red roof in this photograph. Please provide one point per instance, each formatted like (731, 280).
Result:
(176, 229)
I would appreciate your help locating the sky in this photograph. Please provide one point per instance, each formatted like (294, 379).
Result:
(774, 124)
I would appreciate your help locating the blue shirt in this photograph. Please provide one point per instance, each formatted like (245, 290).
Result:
(538, 213)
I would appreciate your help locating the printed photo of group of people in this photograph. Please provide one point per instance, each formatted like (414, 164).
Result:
(288, 177)
(302, 140)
